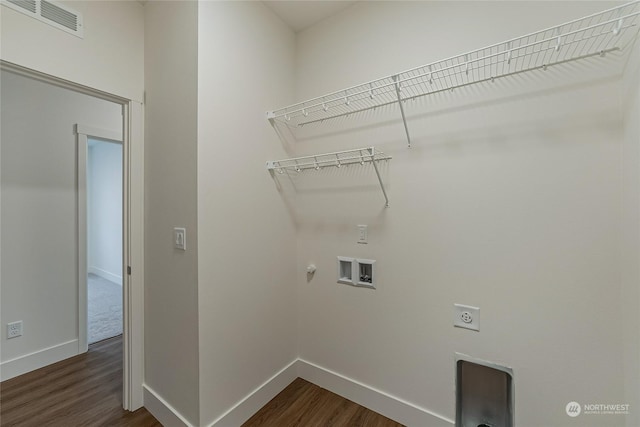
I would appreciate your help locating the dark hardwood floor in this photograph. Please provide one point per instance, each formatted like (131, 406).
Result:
(306, 405)
(85, 390)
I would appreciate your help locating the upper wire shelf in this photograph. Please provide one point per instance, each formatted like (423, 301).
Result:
(594, 35)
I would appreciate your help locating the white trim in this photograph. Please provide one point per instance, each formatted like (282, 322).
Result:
(81, 208)
(38, 359)
(59, 82)
(390, 406)
(105, 275)
(236, 415)
(111, 135)
(244, 409)
(163, 411)
(133, 256)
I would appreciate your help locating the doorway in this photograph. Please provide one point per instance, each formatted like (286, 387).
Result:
(100, 233)
(39, 180)
(104, 239)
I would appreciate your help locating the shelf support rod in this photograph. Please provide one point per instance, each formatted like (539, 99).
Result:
(372, 152)
(404, 118)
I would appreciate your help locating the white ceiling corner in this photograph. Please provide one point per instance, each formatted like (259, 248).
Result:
(302, 14)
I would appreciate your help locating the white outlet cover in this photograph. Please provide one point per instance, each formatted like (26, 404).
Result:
(466, 316)
(14, 329)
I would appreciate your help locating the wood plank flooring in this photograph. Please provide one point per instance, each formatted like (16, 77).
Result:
(85, 390)
(305, 404)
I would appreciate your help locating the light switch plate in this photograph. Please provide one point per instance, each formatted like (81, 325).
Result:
(362, 234)
(180, 238)
(466, 316)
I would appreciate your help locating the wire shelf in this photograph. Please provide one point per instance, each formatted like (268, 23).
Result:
(337, 159)
(592, 36)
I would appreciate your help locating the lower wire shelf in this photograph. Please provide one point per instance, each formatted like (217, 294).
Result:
(337, 159)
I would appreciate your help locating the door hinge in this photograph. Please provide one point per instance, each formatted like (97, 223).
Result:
(129, 270)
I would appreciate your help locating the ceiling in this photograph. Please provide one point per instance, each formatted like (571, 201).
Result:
(300, 15)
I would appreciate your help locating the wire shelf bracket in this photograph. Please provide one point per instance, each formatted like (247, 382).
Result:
(337, 159)
(593, 36)
(404, 117)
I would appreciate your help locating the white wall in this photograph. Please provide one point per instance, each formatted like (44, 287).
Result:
(39, 243)
(246, 246)
(109, 58)
(171, 275)
(104, 210)
(508, 200)
(631, 235)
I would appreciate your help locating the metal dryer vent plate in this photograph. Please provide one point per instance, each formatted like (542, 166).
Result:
(484, 393)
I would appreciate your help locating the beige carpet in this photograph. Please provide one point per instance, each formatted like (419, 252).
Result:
(104, 309)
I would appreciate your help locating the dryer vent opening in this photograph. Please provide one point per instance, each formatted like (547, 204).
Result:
(484, 394)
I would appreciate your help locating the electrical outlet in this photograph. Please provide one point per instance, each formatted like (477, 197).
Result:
(466, 316)
(14, 329)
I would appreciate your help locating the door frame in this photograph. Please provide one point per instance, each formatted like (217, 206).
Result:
(83, 133)
(132, 135)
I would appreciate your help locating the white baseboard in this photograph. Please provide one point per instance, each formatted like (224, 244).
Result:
(105, 275)
(37, 359)
(163, 411)
(235, 416)
(248, 406)
(390, 406)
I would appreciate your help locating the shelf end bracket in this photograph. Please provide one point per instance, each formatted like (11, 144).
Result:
(271, 116)
(404, 118)
(372, 153)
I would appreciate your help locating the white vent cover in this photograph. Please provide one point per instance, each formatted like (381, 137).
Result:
(50, 12)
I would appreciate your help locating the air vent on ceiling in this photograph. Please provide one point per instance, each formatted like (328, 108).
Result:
(50, 12)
